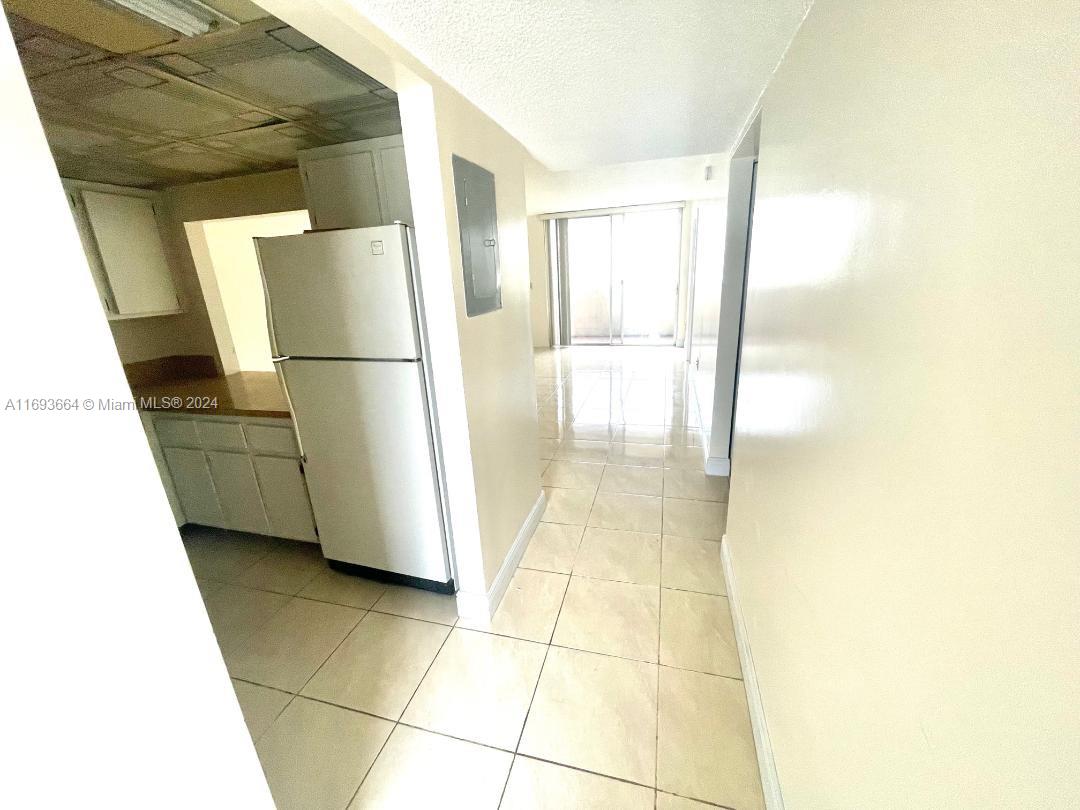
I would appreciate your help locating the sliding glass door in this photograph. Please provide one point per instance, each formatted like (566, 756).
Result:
(619, 276)
(647, 247)
(588, 253)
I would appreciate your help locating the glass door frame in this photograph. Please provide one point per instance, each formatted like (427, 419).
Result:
(559, 275)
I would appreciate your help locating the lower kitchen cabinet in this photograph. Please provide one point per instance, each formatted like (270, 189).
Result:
(285, 496)
(238, 491)
(234, 473)
(194, 487)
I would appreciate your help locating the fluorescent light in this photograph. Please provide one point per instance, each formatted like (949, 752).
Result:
(188, 17)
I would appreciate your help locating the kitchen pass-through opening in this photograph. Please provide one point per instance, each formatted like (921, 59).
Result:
(228, 271)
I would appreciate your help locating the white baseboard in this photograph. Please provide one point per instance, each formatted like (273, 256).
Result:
(472, 607)
(715, 465)
(770, 781)
(481, 607)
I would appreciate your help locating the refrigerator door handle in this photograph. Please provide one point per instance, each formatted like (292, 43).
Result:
(277, 361)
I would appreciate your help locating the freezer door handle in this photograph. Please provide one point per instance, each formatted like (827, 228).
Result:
(280, 358)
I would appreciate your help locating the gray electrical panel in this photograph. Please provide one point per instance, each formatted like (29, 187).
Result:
(478, 226)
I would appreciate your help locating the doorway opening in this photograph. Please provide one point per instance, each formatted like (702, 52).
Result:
(723, 377)
(617, 275)
(708, 235)
(228, 270)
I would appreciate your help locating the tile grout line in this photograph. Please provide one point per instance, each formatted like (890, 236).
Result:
(532, 697)
(543, 664)
(367, 772)
(625, 393)
(292, 697)
(398, 722)
(597, 652)
(297, 694)
(423, 677)
(326, 601)
(337, 646)
(548, 644)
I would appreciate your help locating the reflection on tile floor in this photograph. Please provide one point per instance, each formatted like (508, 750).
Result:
(609, 677)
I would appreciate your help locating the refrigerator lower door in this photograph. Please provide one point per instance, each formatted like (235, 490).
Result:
(370, 465)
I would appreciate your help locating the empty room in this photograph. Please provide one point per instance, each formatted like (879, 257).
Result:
(661, 406)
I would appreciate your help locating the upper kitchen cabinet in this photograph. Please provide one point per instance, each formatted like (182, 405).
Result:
(361, 184)
(123, 245)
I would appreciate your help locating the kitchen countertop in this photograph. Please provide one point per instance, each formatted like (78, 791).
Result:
(246, 393)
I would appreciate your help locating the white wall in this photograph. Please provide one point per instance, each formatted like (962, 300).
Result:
(496, 349)
(904, 524)
(228, 268)
(117, 694)
(647, 181)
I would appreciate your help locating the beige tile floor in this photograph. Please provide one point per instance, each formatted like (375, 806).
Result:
(608, 678)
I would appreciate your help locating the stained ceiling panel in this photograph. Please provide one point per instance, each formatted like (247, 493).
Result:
(156, 109)
(292, 78)
(182, 109)
(191, 157)
(262, 142)
(73, 139)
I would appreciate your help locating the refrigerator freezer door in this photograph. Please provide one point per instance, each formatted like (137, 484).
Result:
(344, 293)
(370, 465)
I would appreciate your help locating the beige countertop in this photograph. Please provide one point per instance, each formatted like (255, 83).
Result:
(246, 393)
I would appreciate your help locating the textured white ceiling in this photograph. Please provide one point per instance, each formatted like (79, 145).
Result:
(595, 82)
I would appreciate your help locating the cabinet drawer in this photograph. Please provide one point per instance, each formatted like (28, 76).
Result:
(222, 435)
(176, 432)
(280, 441)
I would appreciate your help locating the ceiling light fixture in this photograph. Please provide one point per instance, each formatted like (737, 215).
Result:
(188, 17)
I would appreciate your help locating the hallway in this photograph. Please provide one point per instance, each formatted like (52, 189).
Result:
(612, 653)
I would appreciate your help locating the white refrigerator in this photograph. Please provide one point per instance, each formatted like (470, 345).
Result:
(345, 317)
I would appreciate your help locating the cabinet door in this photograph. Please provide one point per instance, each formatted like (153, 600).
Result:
(194, 486)
(238, 491)
(394, 186)
(343, 192)
(147, 420)
(90, 249)
(285, 494)
(129, 243)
